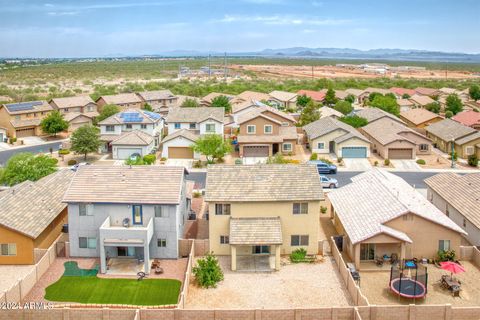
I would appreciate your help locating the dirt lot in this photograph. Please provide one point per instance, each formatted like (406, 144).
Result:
(294, 286)
(375, 287)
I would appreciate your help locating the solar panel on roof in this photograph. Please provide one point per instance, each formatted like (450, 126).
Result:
(131, 117)
(22, 106)
(153, 115)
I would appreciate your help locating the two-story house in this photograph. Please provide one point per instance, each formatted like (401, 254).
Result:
(186, 125)
(160, 99)
(263, 211)
(122, 212)
(283, 100)
(133, 131)
(78, 111)
(122, 100)
(23, 119)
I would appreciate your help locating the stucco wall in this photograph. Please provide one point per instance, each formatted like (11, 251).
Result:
(24, 247)
(259, 124)
(178, 142)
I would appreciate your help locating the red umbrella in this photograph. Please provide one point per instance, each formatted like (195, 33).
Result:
(452, 267)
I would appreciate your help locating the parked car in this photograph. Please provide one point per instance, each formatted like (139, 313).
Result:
(323, 167)
(328, 182)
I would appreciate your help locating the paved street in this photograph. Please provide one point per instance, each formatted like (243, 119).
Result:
(41, 148)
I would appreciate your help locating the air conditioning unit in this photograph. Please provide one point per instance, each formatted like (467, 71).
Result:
(126, 222)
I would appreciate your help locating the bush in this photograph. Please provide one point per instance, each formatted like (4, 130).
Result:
(386, 162)
(207, 271)
(325, 160)
(298, 255)
(63, 152)
(323, 209)
(448, 114)
(136, 161)
(375, 163)
(149, 159)
(339, 159)
(197, 194)
(455, 156)
(473, 160)
(421, 161)
(13, 140)
(72, 162)
(197, 164)
(314, 156)
(446, 255)
(163, 159)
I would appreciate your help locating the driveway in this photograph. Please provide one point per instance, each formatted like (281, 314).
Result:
(187, 163)
(357, 164)
(32, 141)
(406, 165)
(254, 160)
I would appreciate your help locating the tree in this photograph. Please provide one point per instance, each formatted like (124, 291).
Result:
(405, 96)
(433, 107)
(373, 95)
(190, 103)
(474, 92)
(85, 139)
(26, 166)
(344, 107)
(222, 102)
(54, 123)
(448, 114)
(454, 104)
(350, 98)
(302, 100)
(207, 271)
(354, 121)
(386, 103)
(212, 146)
(108, 110)
(147, 107)
(309, 114)
(330, 98)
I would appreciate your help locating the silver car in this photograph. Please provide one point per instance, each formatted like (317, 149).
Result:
(328, 182)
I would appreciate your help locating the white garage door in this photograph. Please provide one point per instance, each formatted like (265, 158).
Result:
(125, 153)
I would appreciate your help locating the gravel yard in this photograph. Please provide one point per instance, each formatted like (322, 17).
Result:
(294, 286)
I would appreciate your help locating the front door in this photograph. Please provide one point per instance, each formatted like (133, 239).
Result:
(125, 251)
(367, 251)
(261, 249)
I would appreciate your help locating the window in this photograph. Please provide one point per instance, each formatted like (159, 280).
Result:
(287, 147)
(137, 214)
(464, 223)
(299, 240)
(300, 208)
(8, 249)
(192, 126)
(87, 243)
(443, 245)
(251, 129)
(143, 126)
(224, 239)
(222, 209)
(160, 212)
(177, 125)
(469, 150)
(321, 145)
(161, 243)
(268, 129)
(210, 127)
(109, 128)
(128, 126)
(85, 209)
(424, 147)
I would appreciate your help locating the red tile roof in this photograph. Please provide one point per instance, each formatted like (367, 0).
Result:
(402, 91)
(468, 118)
(315, 95)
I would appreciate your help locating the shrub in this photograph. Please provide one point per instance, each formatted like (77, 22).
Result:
(455, 156)
(386, 162)
(339, 159)
(13, 140)
(136, 161)
(421, 161)
(448, 114)
(163, 159)
(298, 255)
(207, 271)
(72, 162)
(197, 164)
(149, 159)
(446, 255)
(238, 161)
(325, 160)
(375, 163)
(323, 209)
(63, 151)
(473, 160)
(314, 156)
(197, 194)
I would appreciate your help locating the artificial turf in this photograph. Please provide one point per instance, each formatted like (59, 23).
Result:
(91, 289)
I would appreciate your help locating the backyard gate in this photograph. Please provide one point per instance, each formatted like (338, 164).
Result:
(60, 249)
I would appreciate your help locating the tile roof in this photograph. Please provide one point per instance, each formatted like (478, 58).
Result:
(253, 95)
(30, 207)
(209, 97)
(27, 107)
(460, 191)
(354, 92)
(401, 91)
(126, 184)
(426, 91)
(315, 95)
(156, 95)
(25, 123)
(133, 138)
(341, 94)
(448, 129)
(377, 90)
(386, 131)
(133, 115)
(259, 108)
(418, 115)
(421, 100)
(467, 139)
(256, 231)
(69, 116)
(283, 95)
(191, 135)
(373, 114)
(326, 125)
(121, 98)
(254, 114)
(375, 197)
(265, 182)
(196, 115)
(69, 102)
(404, 103)
(328, 112)
(468, 118)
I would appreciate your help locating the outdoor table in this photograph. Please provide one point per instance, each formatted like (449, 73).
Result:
(452, 285)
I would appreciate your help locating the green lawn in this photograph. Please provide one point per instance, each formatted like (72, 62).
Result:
(146, 292)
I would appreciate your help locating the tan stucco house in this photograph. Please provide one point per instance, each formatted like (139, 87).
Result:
(159, 99)
(380, 214)
(419, 118)
(23, 119)
(122, 100)
(328, 135)
(283, 99)
(254, 212)
(78, 111)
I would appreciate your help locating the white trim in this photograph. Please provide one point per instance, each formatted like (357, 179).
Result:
(265, 131)
(254, 129)
(287, 144)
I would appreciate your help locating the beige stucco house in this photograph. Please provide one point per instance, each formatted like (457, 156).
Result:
(254, 212)
(380, 214)
(122, 100)
(23, 119)
(283, 99)
(419, 118)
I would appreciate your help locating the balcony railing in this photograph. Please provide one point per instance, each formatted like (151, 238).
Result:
(137, 234)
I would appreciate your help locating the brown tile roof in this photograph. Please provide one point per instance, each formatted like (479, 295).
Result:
(426, 91)
(266, 182)
(253, 95)
(418, 116)
(69, 102)
(133, 138)
(122, 98)
(72, 115)
(196, 115)
(421, 100)
(386, 131)
(256, 231)
(448, 129)
(461, 192)
(283, 95)
(373, 114)
(209, 97)
(25, 123)
(327, 125)
(124, 184)
(30, 207)
(191, 135)
(260, 108)
(156, 95)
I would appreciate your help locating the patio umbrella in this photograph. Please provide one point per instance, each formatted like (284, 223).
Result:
(452, 267)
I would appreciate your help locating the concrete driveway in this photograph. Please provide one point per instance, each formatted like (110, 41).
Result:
(357, 164)
(254, 160)
(406, 165)
(32, 141)
(187, 163)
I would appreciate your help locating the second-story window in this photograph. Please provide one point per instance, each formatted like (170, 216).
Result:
(192, 126)
(137, 214)
(222, 209)
(210, 127)
(160, 212)
(177, 125)
(143, 126)
(251, 129)
(268, 129)
(128, 126)
(85, 209)
(300, 208)
(109, 128)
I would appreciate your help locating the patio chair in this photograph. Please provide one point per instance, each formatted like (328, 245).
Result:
(379, 261)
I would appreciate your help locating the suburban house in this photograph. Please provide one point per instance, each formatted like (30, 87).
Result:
(32, 216)
(207, 100)
(265, 131)
(468, 118)
(330, 112)
(186, 125)
(380, 214)
(401, 92)
(457, 197)
(283, 99)
(78, 111)
(374, 114)
(23, 119)
(421, 101)
(356, 93)
(329, 135)
(122, 100)
(419, 118)
(132, 131)
(465, 138)
(427, 92)
(159, 99)
(363, 97)
(253, 213)
(250, 96)
(316, 96)
(135, 213)
(405, 104)
(393, 140)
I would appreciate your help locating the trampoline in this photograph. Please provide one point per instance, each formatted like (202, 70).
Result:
(408, 288)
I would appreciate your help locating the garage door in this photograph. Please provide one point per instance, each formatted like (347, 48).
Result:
(255, 151)
(180, 153)
(20, 133)
(125, 153)
(354, 152)
(400, 153)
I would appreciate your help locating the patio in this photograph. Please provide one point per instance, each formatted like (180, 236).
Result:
(256, 263)
(124, 266)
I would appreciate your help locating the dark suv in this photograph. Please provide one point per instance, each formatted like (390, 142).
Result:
(323, 167)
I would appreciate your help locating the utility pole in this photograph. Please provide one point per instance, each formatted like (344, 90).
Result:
(225, 68)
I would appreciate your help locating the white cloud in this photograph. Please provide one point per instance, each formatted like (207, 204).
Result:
(62, 13)
(317, 3)
(282, 20)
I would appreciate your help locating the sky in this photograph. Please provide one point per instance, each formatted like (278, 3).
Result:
(87, 28)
